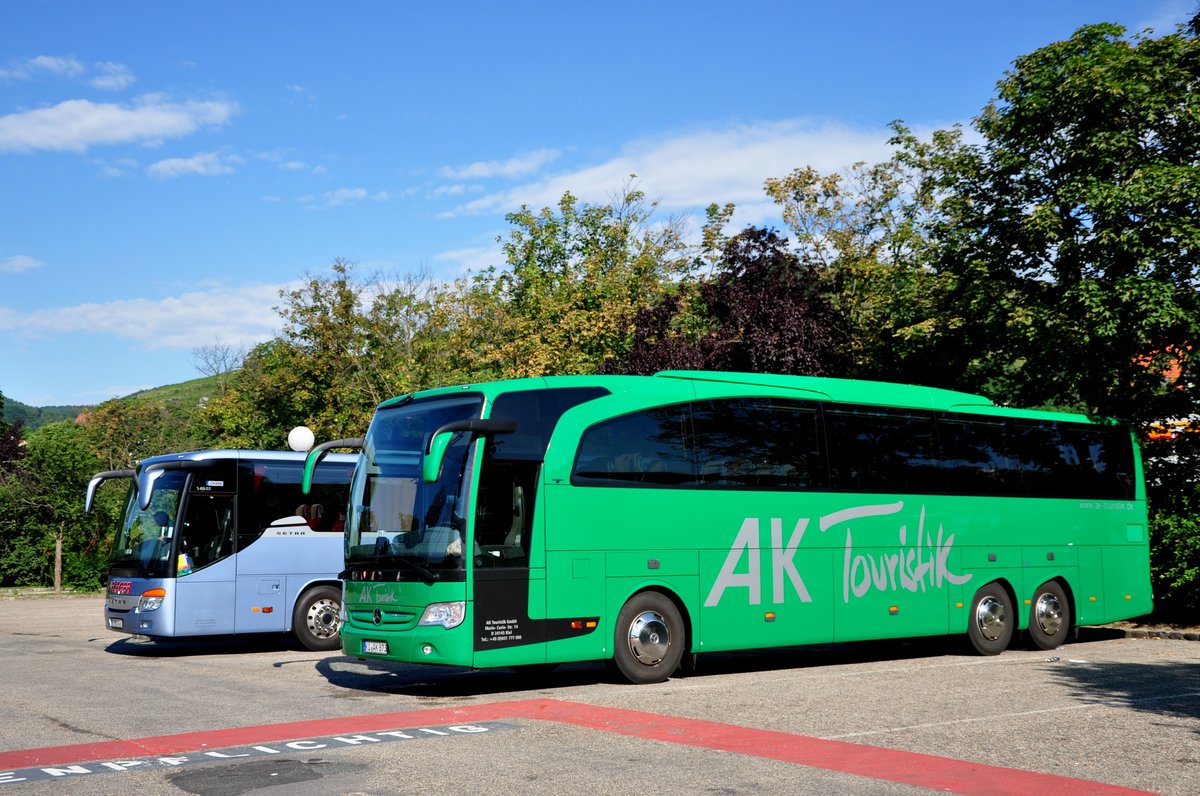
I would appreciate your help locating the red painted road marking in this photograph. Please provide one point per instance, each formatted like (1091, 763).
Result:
(892, 765)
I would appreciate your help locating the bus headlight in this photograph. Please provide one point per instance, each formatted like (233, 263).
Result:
(447, 615)
(151, 599)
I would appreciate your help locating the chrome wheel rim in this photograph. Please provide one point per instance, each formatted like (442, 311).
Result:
(649, 637)
(322, 619)
(991, 618)
(1048, 613)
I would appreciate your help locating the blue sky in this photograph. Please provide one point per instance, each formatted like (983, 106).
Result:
(167, 168)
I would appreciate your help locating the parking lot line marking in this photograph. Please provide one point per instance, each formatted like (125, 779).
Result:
(875, 762)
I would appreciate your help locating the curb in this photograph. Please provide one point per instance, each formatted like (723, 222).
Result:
(1174, 635)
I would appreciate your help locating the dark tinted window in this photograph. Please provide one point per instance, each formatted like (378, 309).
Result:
(270, 493)
(757, 443)
(648, 447)
(764, 443)
(975, 458)
(1073, 460)
(877, 450)
(536, 413)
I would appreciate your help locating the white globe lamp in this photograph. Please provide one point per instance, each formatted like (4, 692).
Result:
(301, 439)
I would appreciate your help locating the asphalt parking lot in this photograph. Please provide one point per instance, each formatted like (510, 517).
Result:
(89, 711)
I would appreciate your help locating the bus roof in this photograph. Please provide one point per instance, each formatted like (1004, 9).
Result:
(852, 391)
(242, 455)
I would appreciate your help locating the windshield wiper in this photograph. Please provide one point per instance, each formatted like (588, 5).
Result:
(427, 575)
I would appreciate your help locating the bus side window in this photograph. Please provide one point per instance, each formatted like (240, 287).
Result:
(758, 443)
(641, 448)
(879, 450)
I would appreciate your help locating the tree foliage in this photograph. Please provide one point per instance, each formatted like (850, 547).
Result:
(11, 448)
(763, 310)
(867, 230)
(348, 343)
(1070, 237)
(574, 279)
(43, 498)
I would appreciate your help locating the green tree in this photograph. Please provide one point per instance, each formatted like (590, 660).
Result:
(45, 498)
(575, 279)
(763, 310)
(11, 441)
(1068, 252)
(866, 229)
(348, 343)
(1071, 235)
(122, 432)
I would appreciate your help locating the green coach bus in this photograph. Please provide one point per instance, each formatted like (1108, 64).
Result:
(647, 519)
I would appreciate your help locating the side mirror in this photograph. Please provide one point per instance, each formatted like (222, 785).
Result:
(316, 454)
(431, 464)
(100, 478)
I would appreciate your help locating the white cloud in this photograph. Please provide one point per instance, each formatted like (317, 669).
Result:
(693, 169)
(285, 161)
(18, 263)
(241, 315)
(457, 189)
(203, 164)
(77, 125)
(1166, 17)
(113, 77)
(56, 66)
(105, 75)
(474, 258)
(518, 166)
(301, 93)
(343, 196)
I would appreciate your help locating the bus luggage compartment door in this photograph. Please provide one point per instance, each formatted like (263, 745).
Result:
(203, 603)
(260, 604)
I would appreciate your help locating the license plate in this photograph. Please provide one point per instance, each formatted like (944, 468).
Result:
(375, 648)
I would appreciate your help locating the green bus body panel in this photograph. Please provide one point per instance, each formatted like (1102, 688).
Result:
(755, 569)
(402, 605)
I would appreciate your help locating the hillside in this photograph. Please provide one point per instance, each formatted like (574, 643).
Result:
(188, 394)
(180, 400)
(36, 416)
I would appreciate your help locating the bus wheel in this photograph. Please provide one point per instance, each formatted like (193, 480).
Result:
(649, 638)
(318, 619)
(1049, 616)
(991, 622)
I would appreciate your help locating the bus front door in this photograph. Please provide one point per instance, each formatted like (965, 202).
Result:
(206, 566)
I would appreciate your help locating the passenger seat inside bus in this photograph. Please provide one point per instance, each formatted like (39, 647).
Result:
(513, 538)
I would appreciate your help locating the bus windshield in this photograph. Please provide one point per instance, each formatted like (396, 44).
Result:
(396, 521)
(144, 542)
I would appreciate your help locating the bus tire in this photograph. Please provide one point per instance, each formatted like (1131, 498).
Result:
(990, 624)
(317, 620)
(1049, 616)
(649, 638)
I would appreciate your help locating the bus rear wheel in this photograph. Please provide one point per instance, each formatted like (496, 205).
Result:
(990, 625)
(649, 638)
(318, 620)
(1049, 616)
